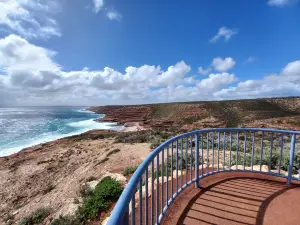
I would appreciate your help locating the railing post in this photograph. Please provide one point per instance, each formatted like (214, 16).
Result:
(126, 217)
(197, 162)
(291, 162)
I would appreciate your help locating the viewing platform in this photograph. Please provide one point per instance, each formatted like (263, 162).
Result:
(216, 176)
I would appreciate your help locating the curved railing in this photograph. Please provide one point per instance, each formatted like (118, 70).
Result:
(185, 159)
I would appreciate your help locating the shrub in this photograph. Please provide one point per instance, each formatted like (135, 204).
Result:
(85, 190)
(113, 152)
(275, 159)
(66, 220)
(106, 191)
(134, 137)
(129, 170)
(155, 143)
(36, 217)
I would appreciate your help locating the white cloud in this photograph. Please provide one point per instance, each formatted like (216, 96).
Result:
(113, 15)
(29, 75)
(30, 18)
(217, 80)
(224, 32)
(98, 5)
(223, 65)
(203, 71)
(250, 59)
(285, 84)
(281, 3)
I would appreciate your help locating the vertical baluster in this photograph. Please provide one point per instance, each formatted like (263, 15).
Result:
(141, 201)
(152, 192)
(202, 160)
(197, 162)
(186, 159)
(133, 209)
(245, 146)
(224, 150)
(191, 167)
(291, 161)
(271, 149)
(146, 197)
(213, 151)
(162, 178)
(252, 152)
(237, 150)
(157, 187)
(207, 156)
(168, 171)
(181, 160)
(218, 150)
(176, 166)
(281, 150)
(126, 217)
(230, 140)
(261, 150)
(172, 166)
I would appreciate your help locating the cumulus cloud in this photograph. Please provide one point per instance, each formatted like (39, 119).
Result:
(113, 15)
(281, 3)
(29, 75)
(223, 65)
(284, 84)
(203, 71)
(30, 18)
(224, 32)
(98, 5)
(215, 81)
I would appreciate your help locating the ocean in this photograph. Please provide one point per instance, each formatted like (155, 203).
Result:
(28, 126)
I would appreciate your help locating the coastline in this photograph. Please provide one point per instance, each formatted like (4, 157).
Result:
(122, 127)
(113, 126)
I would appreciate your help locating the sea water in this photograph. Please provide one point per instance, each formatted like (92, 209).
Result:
(28, 126)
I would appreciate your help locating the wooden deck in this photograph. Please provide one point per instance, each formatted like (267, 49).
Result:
(237, 198)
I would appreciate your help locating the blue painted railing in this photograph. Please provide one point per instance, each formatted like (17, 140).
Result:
(198, 154)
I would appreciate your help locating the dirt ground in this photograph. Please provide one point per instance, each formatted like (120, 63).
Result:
(51, 175)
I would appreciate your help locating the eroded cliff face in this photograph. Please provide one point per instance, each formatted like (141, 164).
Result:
(197, 115)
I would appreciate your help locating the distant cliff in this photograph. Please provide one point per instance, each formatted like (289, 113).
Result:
(197, 115)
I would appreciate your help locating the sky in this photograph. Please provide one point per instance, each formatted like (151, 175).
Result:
(103, 52)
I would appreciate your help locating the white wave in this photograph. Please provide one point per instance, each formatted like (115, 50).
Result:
(82, 127)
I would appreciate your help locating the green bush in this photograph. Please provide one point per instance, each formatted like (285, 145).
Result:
(66, 220)
(36, 217)
(275, 159)
(129, 170)
(106, 192)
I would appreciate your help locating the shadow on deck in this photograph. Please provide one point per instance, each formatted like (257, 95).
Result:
(222, 200)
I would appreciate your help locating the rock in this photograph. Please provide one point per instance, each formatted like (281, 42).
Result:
(264, 168)
(67, 209)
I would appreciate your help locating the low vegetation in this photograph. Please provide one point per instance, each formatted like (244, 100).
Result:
(267, 159)
(106, 192)
(129, 170)
(37, 217)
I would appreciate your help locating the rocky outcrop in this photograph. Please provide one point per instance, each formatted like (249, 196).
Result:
(197, 115)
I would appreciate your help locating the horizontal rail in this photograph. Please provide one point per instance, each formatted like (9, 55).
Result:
(188, 154)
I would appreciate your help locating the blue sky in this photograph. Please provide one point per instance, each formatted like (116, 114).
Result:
(127, 52)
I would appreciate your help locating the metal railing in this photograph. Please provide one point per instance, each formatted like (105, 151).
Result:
(185, 159)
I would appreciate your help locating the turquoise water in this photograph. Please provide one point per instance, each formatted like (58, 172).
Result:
(25, 127)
